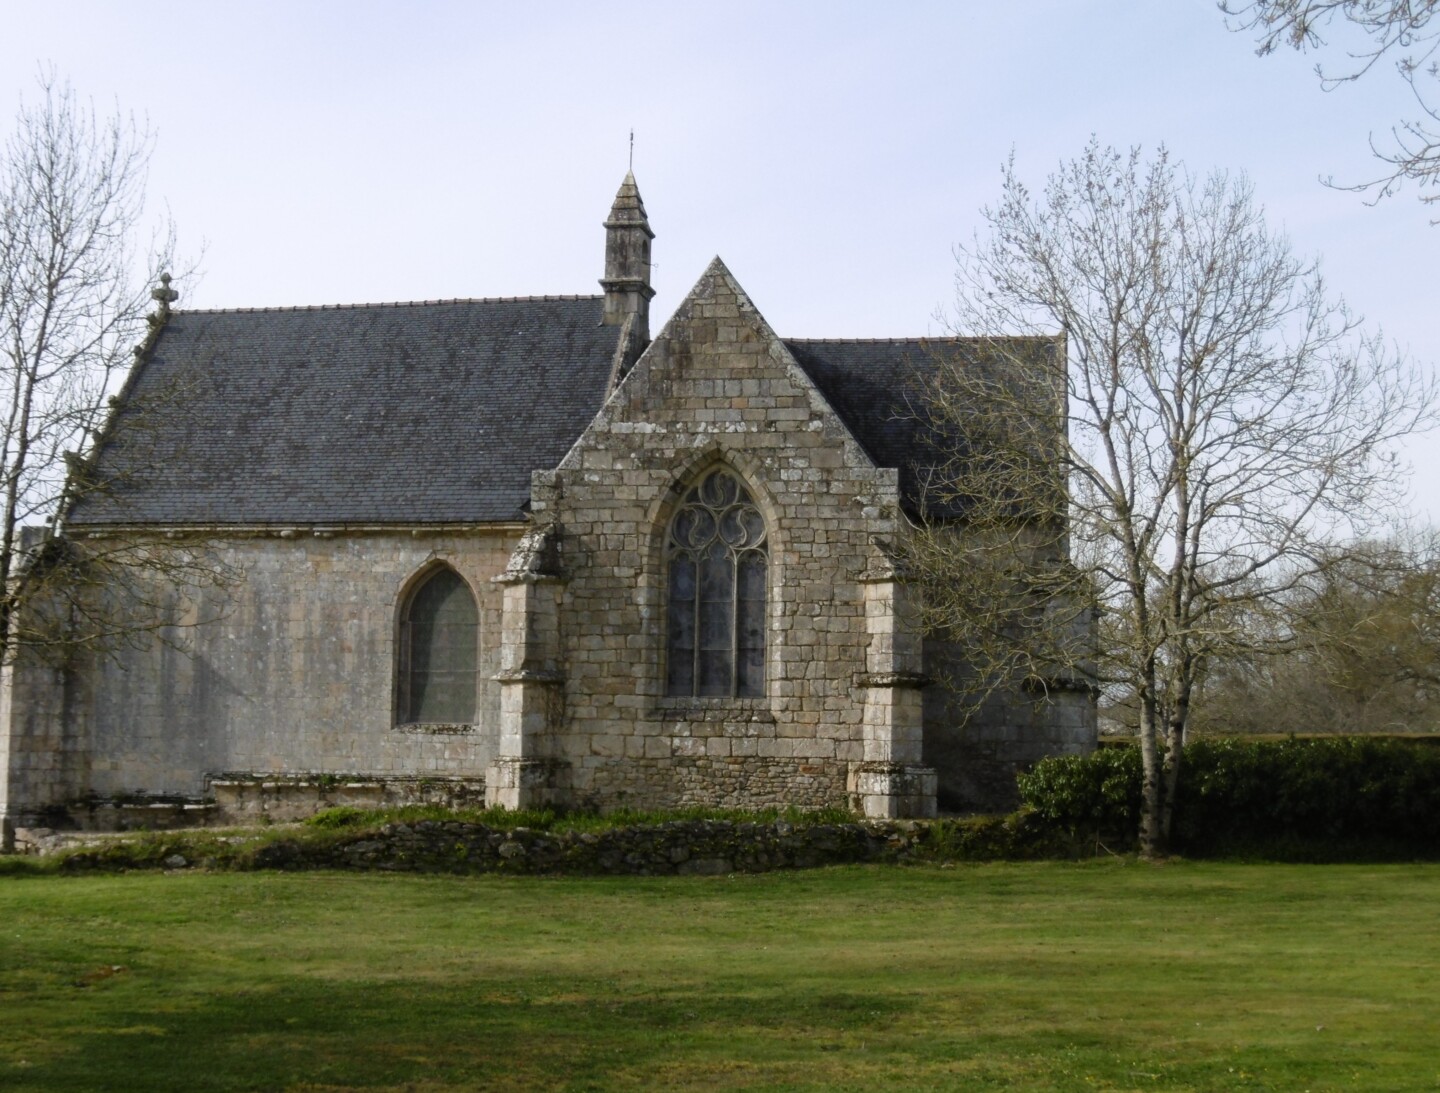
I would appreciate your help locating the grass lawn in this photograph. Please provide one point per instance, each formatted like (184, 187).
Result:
(1111, 975)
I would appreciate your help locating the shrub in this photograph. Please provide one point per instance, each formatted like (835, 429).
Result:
(1099, 792)
(1340, 789)
(1237, 794)
(340, 816)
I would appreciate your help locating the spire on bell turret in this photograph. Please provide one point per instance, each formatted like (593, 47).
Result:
(627, 260)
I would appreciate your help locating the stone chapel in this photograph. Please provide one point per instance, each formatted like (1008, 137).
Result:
(517, 551)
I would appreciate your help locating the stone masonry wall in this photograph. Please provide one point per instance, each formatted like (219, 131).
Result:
(979, 752)
(715, 387)
(684, 847)
(293, 672)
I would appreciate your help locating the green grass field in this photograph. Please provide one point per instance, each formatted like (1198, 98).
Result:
(1110, 975)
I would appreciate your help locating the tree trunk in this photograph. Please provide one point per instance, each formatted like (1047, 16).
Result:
(1152, 790)
(1175, 724)
(1174, 756)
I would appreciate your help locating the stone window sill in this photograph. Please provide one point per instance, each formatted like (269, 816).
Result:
(436, 728)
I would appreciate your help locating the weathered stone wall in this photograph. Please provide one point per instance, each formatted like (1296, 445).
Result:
(679, 847)
(978, 752)
(240, 800)
(41, 760)
(842, 720)
(979, 757)
(293, 671)
(685, 847)
(734, 781)
(715, 387)
(290, 669)
(247, 799)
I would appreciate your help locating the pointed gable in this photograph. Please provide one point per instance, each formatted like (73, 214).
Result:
(702, 376)
(718, 368)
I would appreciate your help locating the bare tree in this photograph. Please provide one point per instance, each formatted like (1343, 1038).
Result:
(1359, 651)
(1399, 31)
(73, 299)
(1230, 430)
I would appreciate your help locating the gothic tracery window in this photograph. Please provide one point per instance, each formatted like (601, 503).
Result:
(438, 630)
(716, 556)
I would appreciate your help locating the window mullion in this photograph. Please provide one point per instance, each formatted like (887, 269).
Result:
(404, 673)
(734, 622)
(699, 533)
(696, 641)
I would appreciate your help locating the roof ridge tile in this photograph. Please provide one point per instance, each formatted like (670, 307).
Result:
(286, 308)
(949, 339)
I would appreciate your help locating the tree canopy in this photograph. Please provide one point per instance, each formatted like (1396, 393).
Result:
(74, 289)
(1400, 32)
(1230, 428)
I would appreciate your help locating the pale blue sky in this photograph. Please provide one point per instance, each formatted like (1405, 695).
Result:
(831, 153)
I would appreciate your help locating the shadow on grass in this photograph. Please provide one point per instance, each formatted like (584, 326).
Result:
(526, 1035)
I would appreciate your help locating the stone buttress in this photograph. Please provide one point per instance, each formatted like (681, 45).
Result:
(891, 780)
(527, 771)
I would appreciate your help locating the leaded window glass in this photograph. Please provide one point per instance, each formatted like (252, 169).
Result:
(438, 632)
(717, 554)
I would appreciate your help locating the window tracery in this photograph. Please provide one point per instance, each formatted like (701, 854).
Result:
(717, 555)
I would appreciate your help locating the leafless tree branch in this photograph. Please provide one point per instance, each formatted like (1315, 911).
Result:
(1230, 429)
(73, 300)
(1400, 31)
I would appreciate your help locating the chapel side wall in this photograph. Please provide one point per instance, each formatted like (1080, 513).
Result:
(290, 668)
(38, 760)
(977, 757)
(714, 391)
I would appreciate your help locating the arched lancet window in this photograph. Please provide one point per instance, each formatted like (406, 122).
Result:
(716, 555)
(438, 631)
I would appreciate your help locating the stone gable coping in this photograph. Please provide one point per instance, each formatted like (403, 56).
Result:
(718, 278)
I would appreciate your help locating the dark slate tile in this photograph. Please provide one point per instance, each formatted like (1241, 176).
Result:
(878, 389)
(410, 413)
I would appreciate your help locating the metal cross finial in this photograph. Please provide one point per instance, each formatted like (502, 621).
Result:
(632, 149)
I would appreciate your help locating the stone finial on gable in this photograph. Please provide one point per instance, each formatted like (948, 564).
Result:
(164, 296)
(627, 260)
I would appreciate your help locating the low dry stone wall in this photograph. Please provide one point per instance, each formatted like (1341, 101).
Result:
(683, 847)
(703, 847)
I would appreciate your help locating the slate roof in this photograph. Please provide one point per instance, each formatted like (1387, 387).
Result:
(878, 389)
(432, 412)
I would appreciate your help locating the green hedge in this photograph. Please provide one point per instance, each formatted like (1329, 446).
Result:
(1323, 796)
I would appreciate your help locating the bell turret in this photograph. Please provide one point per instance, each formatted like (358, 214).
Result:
(627, 260)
